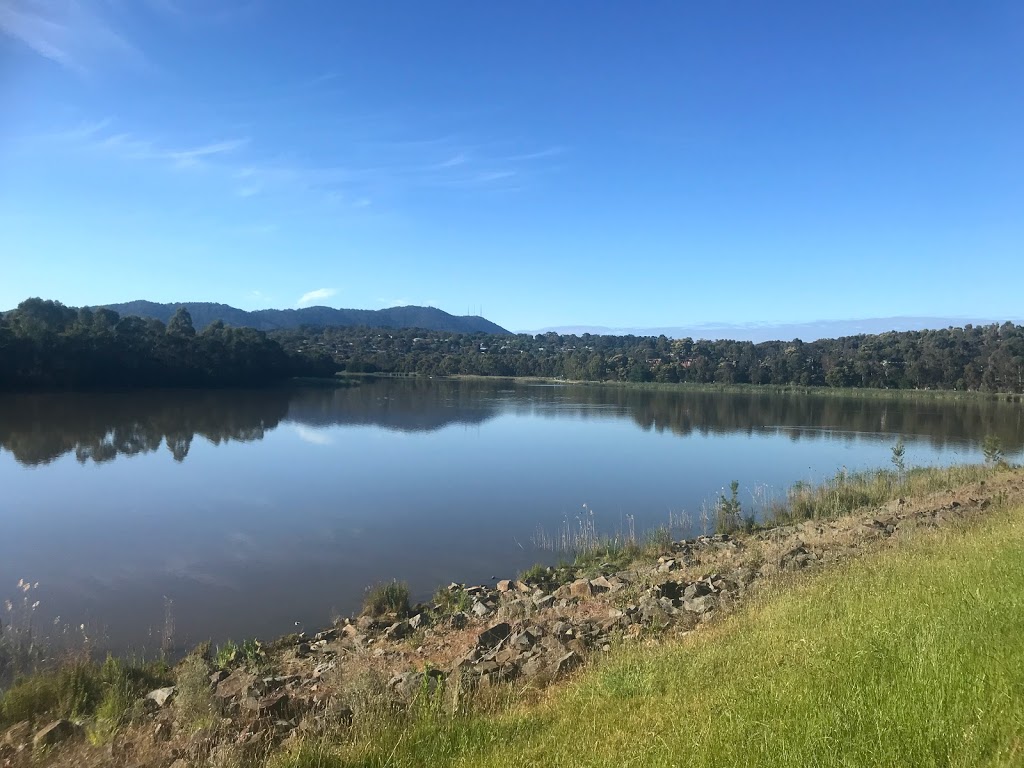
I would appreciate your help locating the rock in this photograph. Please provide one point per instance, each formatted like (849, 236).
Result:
(18, 735)
(216, 677)
(367, 624)
(482, 609)
(668, 565)
(413, 684)
(672, 590)
(235, 685)
(274, 704)
(532, 666)
(327, 634)
(696, 589)
(544, 601)
(515, 610)
(398, 630)
(507, 656)
(561, 629)
(796, 558)
(567, 663)
(649, 611)
(699, 605)
(493, 637)
(280, 681)
(524, 640)
(600, 584)
(504, 585)
(580, 588)
(161, 696)
(419, 620)
(56, 733)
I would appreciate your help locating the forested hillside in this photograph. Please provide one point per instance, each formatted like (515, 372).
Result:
(988, 358)
(45, 345)
(205, 313)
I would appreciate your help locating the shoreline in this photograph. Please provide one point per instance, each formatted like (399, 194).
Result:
(524, 633)
(748, 389)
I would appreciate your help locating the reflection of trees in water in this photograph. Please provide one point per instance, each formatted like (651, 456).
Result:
(940, 422)
(99, 427)
(38, 428)
(417, 405)
(406, 406)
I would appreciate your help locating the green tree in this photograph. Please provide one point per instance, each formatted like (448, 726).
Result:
(181, 324)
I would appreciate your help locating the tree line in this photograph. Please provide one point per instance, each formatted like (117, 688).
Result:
(981, 358)
(46, 345)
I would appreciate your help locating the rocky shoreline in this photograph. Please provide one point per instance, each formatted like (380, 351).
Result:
(524, 634)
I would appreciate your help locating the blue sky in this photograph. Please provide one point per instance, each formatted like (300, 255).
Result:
(548, 163)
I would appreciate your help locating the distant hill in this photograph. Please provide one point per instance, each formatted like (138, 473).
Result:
(758, 332)
(204, 313)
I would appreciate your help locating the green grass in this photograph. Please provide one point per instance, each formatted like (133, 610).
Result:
(846, 492)
(392, 597)
(452, 600)
(911, 657)
(82, 689)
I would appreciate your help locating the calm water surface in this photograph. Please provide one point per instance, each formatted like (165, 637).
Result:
(238, 513)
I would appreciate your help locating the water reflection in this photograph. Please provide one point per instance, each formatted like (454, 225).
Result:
(37, 429)
(99, 427)
(253, 509)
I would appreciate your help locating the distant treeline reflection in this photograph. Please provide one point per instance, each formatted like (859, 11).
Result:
(96, 427)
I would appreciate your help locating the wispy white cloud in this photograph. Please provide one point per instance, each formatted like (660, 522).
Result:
(135, 148)
(80, 133)
(317, 295)
(72, 34)
(191, 156)
(385, 171)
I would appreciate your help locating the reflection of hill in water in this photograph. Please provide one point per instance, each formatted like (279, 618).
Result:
(405, 406)
(37, 429)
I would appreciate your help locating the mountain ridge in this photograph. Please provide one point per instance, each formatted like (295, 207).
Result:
(203, 313)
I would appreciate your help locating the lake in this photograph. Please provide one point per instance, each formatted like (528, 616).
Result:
(170, 517)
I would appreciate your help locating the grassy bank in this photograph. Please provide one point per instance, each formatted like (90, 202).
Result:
(911, 657)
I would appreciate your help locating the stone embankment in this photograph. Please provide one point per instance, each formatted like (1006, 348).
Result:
(529, 633)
